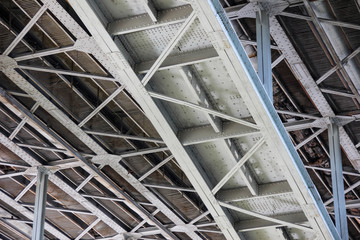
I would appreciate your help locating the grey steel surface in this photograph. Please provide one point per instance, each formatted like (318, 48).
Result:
(263, 50)
(40, 203)
(170, 133)
(337, 181)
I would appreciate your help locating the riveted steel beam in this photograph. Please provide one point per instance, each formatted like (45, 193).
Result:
(86, 230)
(44, 53)
(57, 181)
(150, 196)
(240, 68)
(155, 115)
(204, 109)
(101, 106)
(18, 228)
(337, 181)
(304, 76)
(196, 87)
(144, 22)
(206, 133)
(337, 92)
(124, 136)
(260, 224)
(267, 218)
(60, 209)
(159, 165)
(309, 138)
(265, 190)
(329, 170)
(179, 60)
(238, 166)
(169, 47)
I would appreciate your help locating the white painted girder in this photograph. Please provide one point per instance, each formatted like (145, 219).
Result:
(166, 132)
(247, 83)
(206, 133)
(132, 81)
(204, 109)
(26, 29)
(52, 109)
(267, 218)
(179, 60)
(144, 22)
(315, 93)
(71, 24)
(65, 72)
(22, 229)
(238, 166)
(260, 224)
(150, 9)
(169, 47)
(196, 87)
(265, 190)
(189, 136)
(125, 136)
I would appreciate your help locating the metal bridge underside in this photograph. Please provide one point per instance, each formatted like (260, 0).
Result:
(152, 122)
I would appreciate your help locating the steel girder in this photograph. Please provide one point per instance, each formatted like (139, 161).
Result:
(203, 190)
(289, 53)
(302, 73)
(40, 203)
(311, 87)
(55, 6)
(337, 181)
(163, 126)
(90, 168)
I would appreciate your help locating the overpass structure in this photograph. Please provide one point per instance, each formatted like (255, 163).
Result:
(167, 119)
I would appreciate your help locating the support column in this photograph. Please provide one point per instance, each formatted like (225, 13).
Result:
(263, 50)
(337, 180)
(40, 203)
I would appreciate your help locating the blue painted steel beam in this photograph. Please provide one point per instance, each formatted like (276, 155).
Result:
(263, 51)
(40, 203)
(337, 181)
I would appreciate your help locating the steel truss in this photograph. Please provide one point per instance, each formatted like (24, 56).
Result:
(90, 168)
(106, 51)
(163, 123)
(301, 72)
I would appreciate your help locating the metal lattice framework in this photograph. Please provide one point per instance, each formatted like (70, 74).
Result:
(208, 116)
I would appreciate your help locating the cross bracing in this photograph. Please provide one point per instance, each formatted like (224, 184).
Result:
(153, 128)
